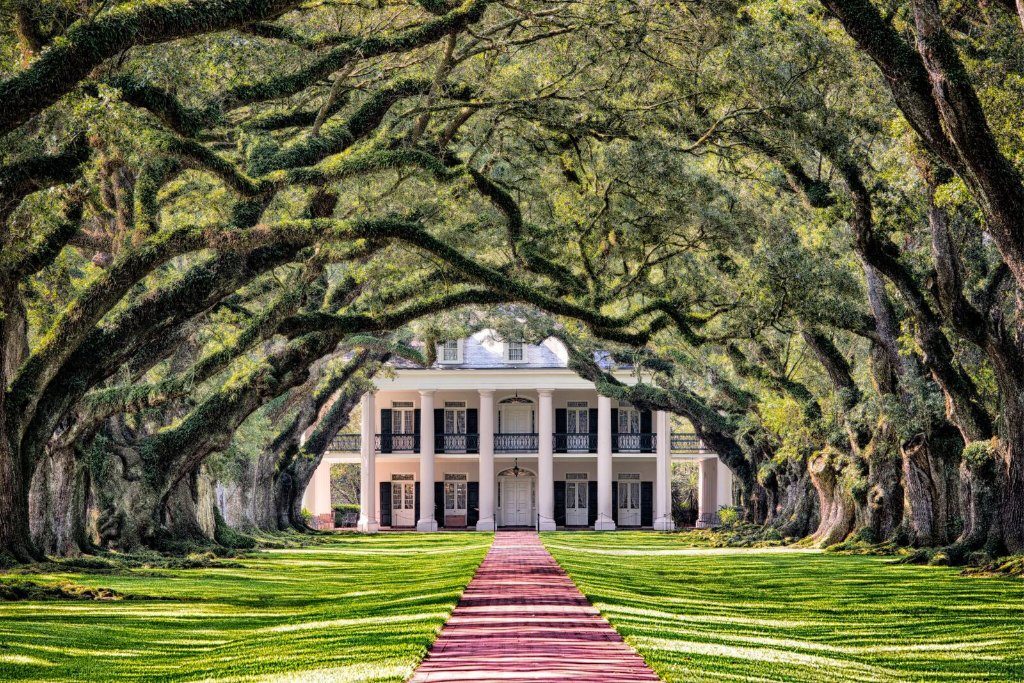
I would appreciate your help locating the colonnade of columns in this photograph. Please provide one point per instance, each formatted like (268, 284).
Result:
(368, 517)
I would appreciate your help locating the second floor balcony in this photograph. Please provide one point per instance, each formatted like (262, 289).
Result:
(637, 442)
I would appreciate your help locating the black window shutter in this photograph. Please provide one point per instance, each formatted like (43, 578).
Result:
(472, 503)
(439, 430)
(385, 430)
(472, 431)
(646, 427)
(560, 503)
(384, 514)
(592, 502)
(416, 425)
(416, 513)
(647, 503)
(561, 425)
(439, 503)
(615, 501)
(592, 415)
(615, 439)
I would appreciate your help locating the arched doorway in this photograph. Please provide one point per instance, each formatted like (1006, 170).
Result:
(517, 497)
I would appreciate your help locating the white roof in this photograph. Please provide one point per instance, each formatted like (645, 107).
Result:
(485, 350)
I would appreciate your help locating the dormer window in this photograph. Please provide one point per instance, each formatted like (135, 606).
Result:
(515, 351)
(451, 351)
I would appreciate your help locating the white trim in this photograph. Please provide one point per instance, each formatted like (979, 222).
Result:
(442, 348)
(522, 347)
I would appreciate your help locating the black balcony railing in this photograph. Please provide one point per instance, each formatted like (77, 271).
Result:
(687, 443)
(457, 443)
(633, 443)
(515, 443)
(404, 443)
(345, 443)
(576, 443)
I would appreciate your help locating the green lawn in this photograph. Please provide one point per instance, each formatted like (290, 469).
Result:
(353, 608)
(718, 614)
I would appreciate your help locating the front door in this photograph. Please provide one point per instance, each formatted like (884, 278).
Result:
(629, 503)
(576, 504)
(517, 501)
(403, 502)
(455, 508)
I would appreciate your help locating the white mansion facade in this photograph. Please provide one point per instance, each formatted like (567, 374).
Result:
(503, 434)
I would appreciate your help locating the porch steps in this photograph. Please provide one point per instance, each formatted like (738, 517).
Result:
(522, 619)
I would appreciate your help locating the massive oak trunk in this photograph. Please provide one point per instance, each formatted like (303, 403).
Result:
(58, 504)
(931, 465)
(829, 473)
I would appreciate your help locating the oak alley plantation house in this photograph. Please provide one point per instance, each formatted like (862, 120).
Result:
(503, 434)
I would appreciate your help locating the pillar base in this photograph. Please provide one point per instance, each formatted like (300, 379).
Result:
(546, 525)
(664, 524)
(604, 525)
(485, 525)
(367, 526)
(426, 525)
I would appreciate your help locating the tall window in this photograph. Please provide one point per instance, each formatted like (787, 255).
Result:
(454, 417)
(403, 417)
(515, 352)
(629, 420)
(450, 351)
(577, 417)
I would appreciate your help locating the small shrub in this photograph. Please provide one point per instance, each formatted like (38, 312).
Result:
(729, 517)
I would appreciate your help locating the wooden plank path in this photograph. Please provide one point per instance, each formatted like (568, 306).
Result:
(522, 619)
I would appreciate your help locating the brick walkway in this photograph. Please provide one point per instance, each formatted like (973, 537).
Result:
(522, 619)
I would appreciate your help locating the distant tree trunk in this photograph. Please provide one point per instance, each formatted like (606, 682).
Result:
(187, 511)
(828, 471)
(58, 504)
(883, 505)
(931, 483)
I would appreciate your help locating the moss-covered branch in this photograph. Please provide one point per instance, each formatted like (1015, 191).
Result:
(89, 42)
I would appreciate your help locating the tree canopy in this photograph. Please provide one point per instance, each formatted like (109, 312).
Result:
(803, 222)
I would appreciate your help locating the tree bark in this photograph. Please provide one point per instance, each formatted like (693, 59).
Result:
(931, 464)
(827, 470)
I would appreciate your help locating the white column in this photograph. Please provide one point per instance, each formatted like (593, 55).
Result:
(605, 522)
(367, 471)
(486, 422)
(426, 521)
(545, 461)
(663, 476)
(317, 496)
(707, 493)
(724, 485)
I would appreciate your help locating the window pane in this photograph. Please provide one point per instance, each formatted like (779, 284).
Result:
(460, 422)
(634, 495)
(396, 495)
(582, 496)
(449, 496)
(571, 422)
(410, 496)
(570, 496)
(461, 497)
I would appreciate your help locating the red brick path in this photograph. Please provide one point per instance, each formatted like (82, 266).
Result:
(522, 619)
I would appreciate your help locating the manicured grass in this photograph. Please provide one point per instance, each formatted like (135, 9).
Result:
(777, 614)
(351, 608)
